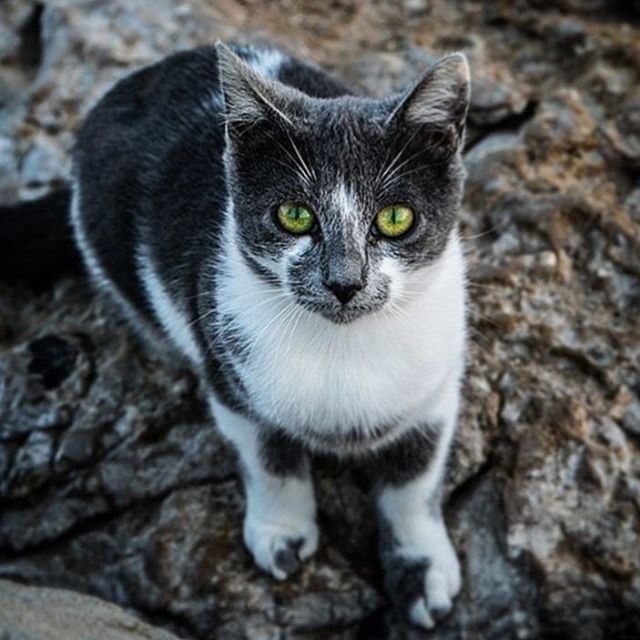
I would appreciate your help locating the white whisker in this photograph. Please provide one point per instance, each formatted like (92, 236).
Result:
(383, 174)
(310, 172)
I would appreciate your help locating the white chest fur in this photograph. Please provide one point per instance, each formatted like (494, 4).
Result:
(307, 374)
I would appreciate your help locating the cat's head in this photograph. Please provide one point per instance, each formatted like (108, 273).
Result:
(340, 200)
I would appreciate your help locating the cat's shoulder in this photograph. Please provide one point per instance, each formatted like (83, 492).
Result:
(157, 90)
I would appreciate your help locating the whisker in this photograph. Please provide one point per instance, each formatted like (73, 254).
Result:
(311, 173)
(392, 176)
(422, 167)
(257, 339)
(500, 224)
(259, 304)
(480, 316)
(286, 327)
(478, 333)
(299, 170)
(382, 174)
(206, 314)
(478, 285)
(293, 170)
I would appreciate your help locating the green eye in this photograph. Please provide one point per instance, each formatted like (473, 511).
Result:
(394, 221)
(295, 217)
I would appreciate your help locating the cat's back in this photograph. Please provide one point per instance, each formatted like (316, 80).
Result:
(128, 145)
(142, 116)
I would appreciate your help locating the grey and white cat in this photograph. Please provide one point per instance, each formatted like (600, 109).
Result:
(299, 245)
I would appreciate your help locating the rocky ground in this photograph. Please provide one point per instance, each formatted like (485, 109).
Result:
(112, 481)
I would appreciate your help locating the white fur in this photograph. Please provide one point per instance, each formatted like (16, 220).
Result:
(173, 321)
(90, 258)
(171, 317)
(413, 512)
(96, 270)
(344, 201)
(267, 62)
(307, 374)
(442, 578)
(279, 509)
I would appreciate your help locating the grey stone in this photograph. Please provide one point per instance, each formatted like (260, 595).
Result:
(32, 613)
(631, 418)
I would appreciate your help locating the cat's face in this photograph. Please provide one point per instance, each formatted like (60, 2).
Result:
(339, 202)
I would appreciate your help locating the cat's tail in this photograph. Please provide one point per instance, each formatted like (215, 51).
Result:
(36, 239)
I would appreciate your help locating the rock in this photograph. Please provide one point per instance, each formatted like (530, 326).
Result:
(32, 613)
(8, 168)
(490, 566)
(54, 374)
(485, 161)
(113, 481)
(31, 464)
(43, 165)
(631, 418)
(52, 360)
(624, 133)
(632, 205)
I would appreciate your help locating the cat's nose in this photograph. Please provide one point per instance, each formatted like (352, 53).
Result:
(344, 291)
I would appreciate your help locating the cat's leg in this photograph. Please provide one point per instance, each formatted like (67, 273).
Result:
(422, 572)
(280, 527)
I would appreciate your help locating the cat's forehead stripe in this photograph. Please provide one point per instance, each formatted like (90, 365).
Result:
(344, 201)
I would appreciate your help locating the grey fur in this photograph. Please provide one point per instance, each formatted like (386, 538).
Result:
(405, 458)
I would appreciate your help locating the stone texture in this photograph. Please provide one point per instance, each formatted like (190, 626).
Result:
(36, 613)
(112, 481)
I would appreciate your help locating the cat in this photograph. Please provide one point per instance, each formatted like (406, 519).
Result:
(298, 245)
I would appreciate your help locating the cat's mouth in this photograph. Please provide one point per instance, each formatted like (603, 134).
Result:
(369, 300)
(342, 313)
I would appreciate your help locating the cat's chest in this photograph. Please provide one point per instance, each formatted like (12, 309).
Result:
(309, 376)
(301, 372)
(334, 383)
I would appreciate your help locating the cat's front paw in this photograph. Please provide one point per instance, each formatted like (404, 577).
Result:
(279, 548)
(422, 578)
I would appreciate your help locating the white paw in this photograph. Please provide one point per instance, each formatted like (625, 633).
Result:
(279, 548)
(423, 578)
(441, 583)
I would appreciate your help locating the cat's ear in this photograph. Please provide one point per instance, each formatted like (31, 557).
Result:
(248, 96)
(440, 99)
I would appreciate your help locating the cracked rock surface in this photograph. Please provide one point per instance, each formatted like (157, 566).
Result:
(114, 483)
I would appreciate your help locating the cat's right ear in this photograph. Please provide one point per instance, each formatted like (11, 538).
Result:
(440, 99)
(250, 97)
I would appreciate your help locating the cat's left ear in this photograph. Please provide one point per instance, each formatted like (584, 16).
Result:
(250, 97)
(440, 99)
